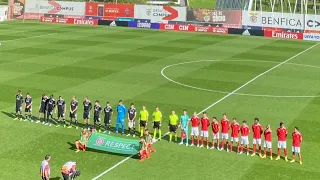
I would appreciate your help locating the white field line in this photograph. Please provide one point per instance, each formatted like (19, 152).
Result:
(44, 35)
(240, 94)
(213, 104)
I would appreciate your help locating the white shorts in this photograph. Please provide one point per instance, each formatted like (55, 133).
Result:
(131, 124)
(215, 136)
(282, 144)
(234, 139)
(204, 134)
(244, 140)
(267, 144)
(195, 131)
(225, 136)
(295, 149)
(256, 141)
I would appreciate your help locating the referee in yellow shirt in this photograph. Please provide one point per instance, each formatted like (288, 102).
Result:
(143, 118)
(173, 125)
(157, 118)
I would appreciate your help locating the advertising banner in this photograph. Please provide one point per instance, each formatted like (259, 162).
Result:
(55, 7)
(246, 32)
(142, 20)
(109, 11)
(311, 37)
(177, 27)
(113, 144)
(17, 8)
(90, 22)
(312, 22)
(4, 10)
(125, 19)
(283, 35)
(203, 29)
(113, 23)
(232, 17)
(146, 25)
(92, 17)
(269, 19)
(220, 30)
(160, 13)
(252, 27)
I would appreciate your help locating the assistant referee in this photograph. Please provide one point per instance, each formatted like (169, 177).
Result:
(173, 125)
(143, 117)
(157, 118)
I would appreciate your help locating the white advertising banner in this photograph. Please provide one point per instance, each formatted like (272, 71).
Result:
(311, 37)
(4, 12)
(273, 19)
(160, 13)
(55, 7)
(312, 22)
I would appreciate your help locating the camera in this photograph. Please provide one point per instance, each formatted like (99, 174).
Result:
(77, 173)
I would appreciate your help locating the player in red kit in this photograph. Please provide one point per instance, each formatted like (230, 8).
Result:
(195, 121)
(282, 134)
(225, 125)
(205, 123)
(215, 132)
(296, 142)
(257, 132)
(245, 130)
(267, 142)
(235, 129)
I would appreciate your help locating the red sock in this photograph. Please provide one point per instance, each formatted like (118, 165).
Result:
(192, 140)
(278, 151)
(202, 141)
(248, 149)
(285, 152)
(242, 148)
(230, 148)
(259, 149)
(207, 142)
(265, 151)
(270, 152)
(254, 149)
(238, 149)
(198, 141)
(213, 143)
(222, 144)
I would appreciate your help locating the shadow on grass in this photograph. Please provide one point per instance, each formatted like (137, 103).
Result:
(10, 115)
(55, 178)
(73, 147)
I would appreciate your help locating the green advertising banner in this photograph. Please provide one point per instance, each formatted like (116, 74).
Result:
(113, 144)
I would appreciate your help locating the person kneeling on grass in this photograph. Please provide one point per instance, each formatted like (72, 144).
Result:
(149, 141)
(144, 149)
(84, 138)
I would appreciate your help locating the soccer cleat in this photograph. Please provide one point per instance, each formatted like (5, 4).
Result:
(37, 121)
(43, 122)
(21, 119)
(50, 124)
(192, 145)
(240, 153)
(247, 153)
(135, 136)
(57, 125)
(15, 119)
(207, 147)
(198, 145)
(109, 132)
(300, 162)
(64, 126)
(32, 121)
(77, 127)
(263, 157)
(77, 150)
(212, 147)
(187, 145)
(99, 131)
(104, 132)
(278, 158)
(228, 150)
(253, 154)
(260, 155)
(201, 146)
(128, 134)
(46, 124)
(286, 159)
(292, 161)
(221, 149)
(24, 120)
(271, 158)
(180, 143)
(69, 127)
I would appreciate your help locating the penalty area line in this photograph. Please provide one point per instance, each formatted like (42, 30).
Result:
(44, 35)
(213, 104)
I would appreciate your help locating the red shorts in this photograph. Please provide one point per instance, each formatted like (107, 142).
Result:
(83, 147)
(149, 146)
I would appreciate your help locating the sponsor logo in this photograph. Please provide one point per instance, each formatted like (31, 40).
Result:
(84, 21)
(254, 17)
(281, 21)
(220, 30)
(48, 19)
(311, 23)
(99, 141)
(169, 26)
(113, 23)
(183, 27)
(62, 20)
(283, 35)
(311, 37)
(246, 33)
(202, 28)
(218, 16)
(168, 13)
(143, 25)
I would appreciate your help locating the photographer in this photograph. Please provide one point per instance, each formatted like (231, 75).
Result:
(69, 170)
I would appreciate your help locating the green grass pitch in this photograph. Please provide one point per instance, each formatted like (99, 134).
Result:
(110, 63)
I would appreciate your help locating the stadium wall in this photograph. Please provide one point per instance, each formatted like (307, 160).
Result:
(172, 18)
(4, 10)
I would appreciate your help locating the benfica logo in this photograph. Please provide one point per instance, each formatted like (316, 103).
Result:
(99, 141)
(254, 17)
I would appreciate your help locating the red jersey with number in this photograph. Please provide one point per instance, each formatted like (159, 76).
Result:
(225, 124)
(282, 134)
(195, 121)
(296, 139)
(215, 127)
(268, 135)
(205, 123)
(245, 130)
(257, 131)
(235, 128)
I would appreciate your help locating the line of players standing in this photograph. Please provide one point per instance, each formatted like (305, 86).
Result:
(244, 132)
